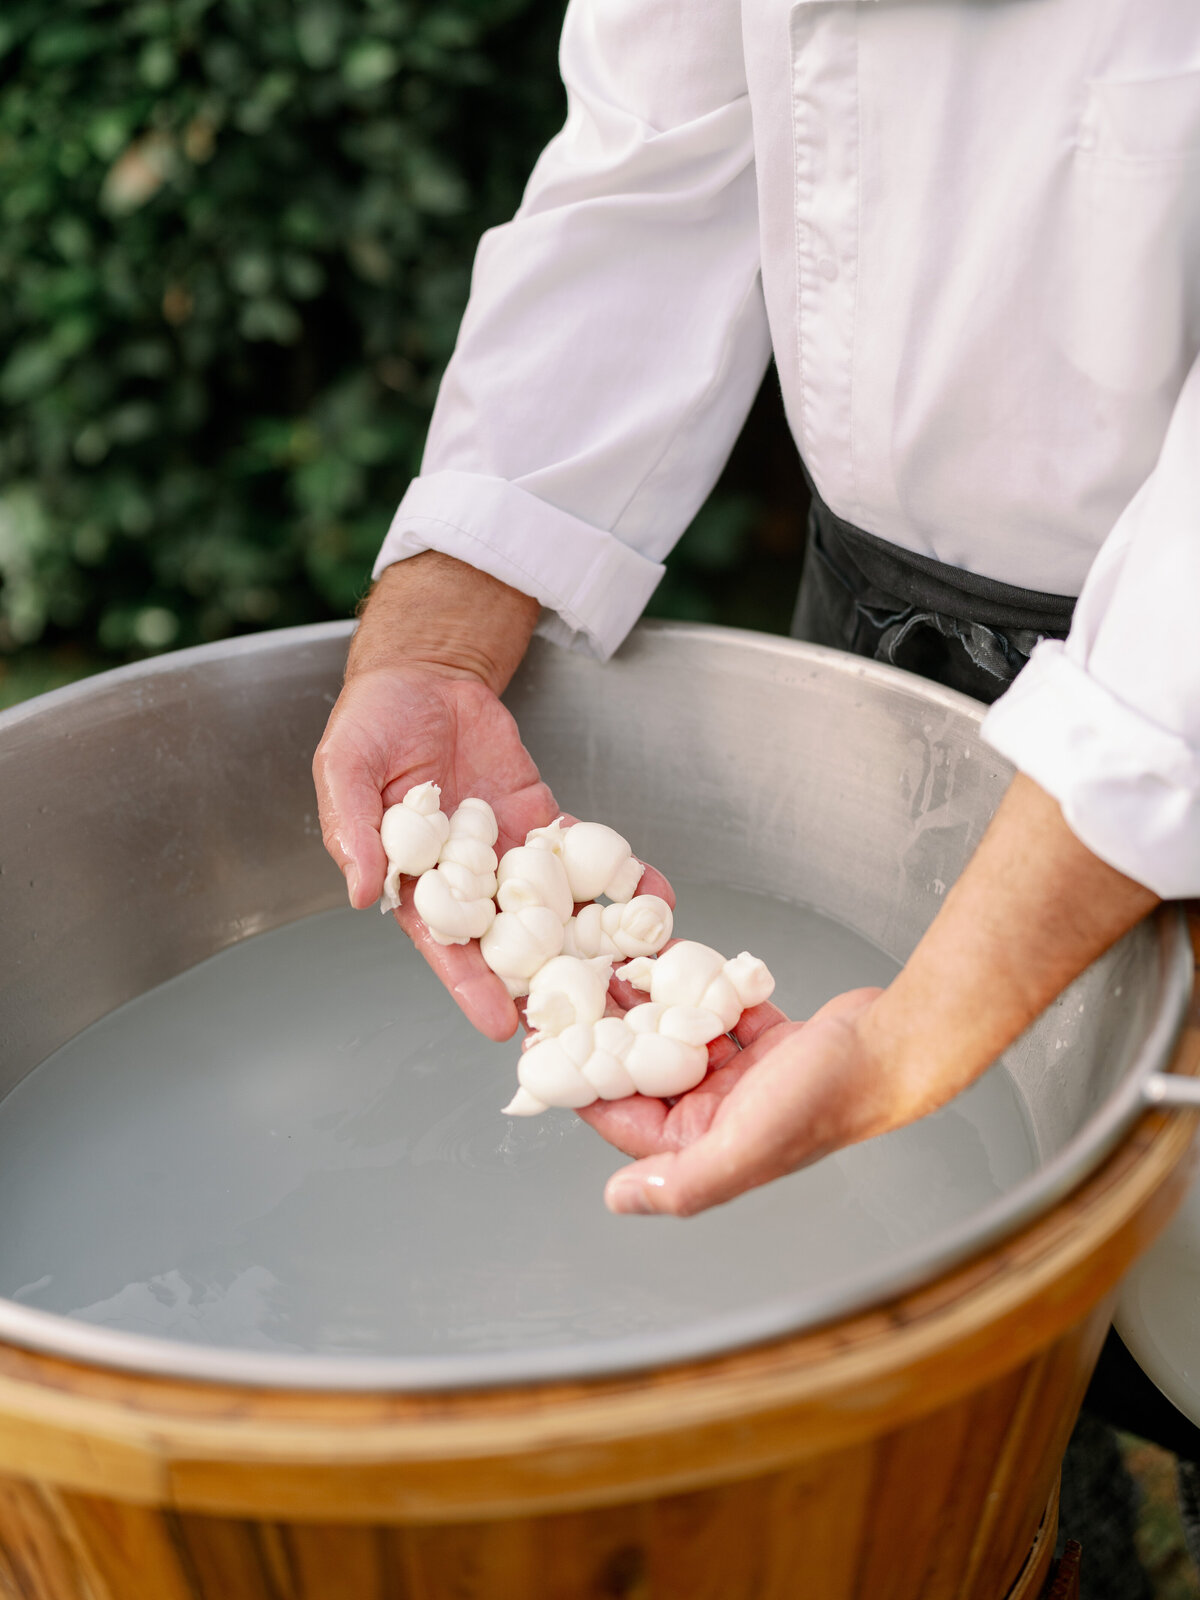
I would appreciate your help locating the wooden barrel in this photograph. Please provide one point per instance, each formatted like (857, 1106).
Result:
(908, 1453)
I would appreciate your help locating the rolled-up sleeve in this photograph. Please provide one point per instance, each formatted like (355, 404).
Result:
(615, 335)
(1109, 722)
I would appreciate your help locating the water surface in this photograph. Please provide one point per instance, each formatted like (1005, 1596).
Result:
(297, 1146)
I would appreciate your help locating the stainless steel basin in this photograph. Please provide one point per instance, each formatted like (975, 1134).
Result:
(153, 815)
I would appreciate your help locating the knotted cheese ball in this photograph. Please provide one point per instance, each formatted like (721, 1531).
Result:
(652, 1050)
(690, 974)
(454, 899)
(473, 834)
(453, 903)
(528, 876)
(412, 834)
(535, 901)
(597, 859)
(640, 927)
(519, 942)
(565, 991)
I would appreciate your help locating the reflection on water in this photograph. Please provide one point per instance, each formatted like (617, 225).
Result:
(297, 1146)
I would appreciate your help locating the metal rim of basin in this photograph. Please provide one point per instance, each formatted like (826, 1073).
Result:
(60, 1335)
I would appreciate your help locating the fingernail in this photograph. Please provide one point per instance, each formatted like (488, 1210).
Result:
(628, 1197)
(351, 874)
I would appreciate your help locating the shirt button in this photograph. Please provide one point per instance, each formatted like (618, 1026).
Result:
(827, 267)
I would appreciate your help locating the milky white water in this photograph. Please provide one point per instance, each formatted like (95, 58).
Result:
(297, 1146)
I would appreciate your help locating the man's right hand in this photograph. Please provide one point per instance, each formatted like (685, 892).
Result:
(437, 643)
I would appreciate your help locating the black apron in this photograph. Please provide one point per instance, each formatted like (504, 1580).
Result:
(861, 594)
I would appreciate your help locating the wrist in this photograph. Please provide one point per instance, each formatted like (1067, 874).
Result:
(1032, 910)
(438, 614)
(900, 1061)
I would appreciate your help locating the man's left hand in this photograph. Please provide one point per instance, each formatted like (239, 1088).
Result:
(780, 1095)
(1032, 909)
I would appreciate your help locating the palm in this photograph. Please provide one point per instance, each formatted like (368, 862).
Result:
(410, 726)
(781, 1095)
(396, 727)
(642, 1126)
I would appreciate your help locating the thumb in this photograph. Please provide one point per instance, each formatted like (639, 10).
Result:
(350, 808)
(678, 1183)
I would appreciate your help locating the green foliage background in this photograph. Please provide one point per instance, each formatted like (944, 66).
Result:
(235, 244)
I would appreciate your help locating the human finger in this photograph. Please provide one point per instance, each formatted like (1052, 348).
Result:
(636, 1125)
(680, 1183)
(785, 1106)
(350, 809)
(475, 988)
(653, 882)
(641, 1125)
(755, 1022)
(721, 1051)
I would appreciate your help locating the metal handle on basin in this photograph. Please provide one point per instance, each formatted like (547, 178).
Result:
(1171, 1089)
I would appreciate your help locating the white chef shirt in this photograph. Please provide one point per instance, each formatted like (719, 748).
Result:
(970, 232)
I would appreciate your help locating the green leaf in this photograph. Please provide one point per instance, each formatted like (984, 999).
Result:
(108, 132)
(132, 422)
(318, 35)
(270, 319)
(10, 33)
(251, 272)
(154, 627)
(65, 41)
(30, 369)
(157, 65)
(71, 237)
(369, 63)
(303, 276)
(73, 334)
(437, 189)
(91, 444)
(328, 486)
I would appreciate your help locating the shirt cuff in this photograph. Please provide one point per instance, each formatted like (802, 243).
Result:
(1128, 787)
(596, 586)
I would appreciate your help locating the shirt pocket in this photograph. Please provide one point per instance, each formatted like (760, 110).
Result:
(1130, 306)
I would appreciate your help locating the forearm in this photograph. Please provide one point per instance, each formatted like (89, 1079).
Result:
(435, 610)
(1032, 910)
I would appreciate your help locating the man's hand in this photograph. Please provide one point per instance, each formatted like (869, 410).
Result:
(1032, 910)
(786, 1094)
(437, 644)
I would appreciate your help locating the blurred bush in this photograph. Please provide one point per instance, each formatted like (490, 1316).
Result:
(235, 239)
(235, 243)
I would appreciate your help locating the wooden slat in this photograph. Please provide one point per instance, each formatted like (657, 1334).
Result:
(234, 1559)
(917, 1474)
(1029, 1465)
(35, 1558)
(125, 1551)
(592, 1555)
(709, 1545)
(979, 1431)
(340, 1563)
(1031, 1583)
(819, 1518)
(473, 1562)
